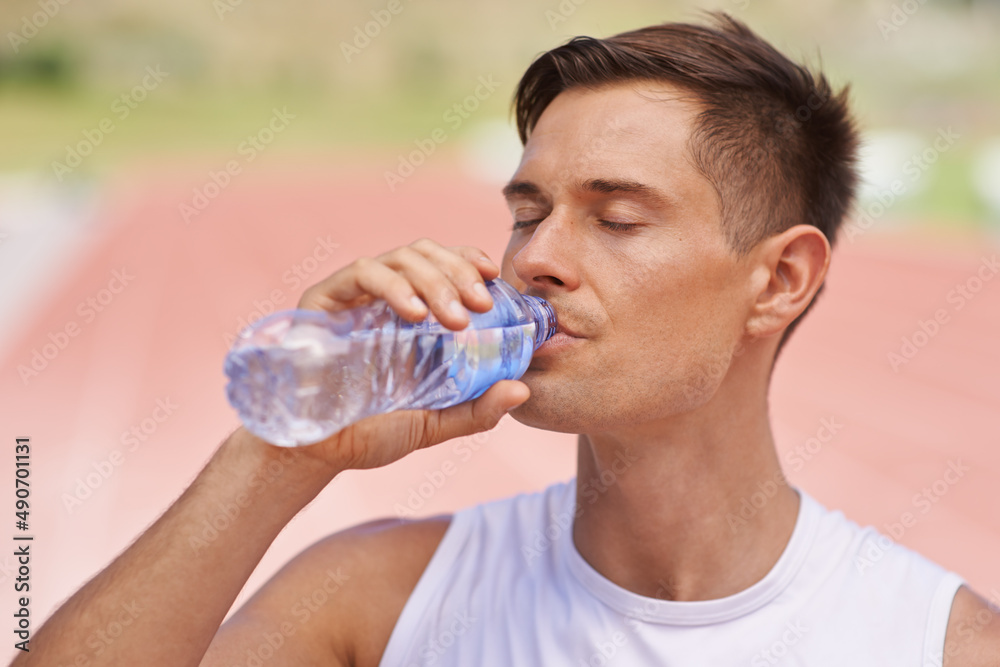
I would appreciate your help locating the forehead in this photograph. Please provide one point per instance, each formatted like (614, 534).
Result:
(632, 129)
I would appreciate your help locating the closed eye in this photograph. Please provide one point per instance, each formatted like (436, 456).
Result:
(519, 224)
(618, 226)
(607, 224)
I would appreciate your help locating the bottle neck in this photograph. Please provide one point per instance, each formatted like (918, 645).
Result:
(544, 315)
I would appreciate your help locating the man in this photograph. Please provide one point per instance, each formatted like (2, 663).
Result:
(676, 202)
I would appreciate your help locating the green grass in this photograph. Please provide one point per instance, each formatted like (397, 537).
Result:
(36, 126)
(949, 198)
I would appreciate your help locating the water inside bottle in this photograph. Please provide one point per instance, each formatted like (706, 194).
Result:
(311, 384)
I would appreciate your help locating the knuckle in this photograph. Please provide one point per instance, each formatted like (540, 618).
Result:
(363, 263)
(445, 297)
(424, 243)
(399, 283)
(403, 254)
(310, 293)
(468, 251)
(422, 430)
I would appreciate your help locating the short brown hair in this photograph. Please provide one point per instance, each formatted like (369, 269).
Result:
(773, 139)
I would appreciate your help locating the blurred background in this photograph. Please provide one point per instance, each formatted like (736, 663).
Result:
(171, 171)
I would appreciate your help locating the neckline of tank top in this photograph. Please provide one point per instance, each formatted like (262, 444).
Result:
(701, 612)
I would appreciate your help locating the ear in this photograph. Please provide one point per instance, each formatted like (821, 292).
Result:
(789, 269)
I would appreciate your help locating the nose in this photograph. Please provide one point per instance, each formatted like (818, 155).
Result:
(546, 261)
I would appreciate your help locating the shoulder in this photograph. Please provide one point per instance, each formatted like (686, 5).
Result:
(973, 638)
(340, 597)
(379, 564)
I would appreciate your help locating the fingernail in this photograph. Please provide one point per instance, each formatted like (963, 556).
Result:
(486, 259)
(456, 309)
(481, 291)
(417, 303)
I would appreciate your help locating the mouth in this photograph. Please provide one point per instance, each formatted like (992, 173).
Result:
(560, 341)
(566, 331)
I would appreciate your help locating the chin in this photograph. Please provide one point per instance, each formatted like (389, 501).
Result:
(562, 411)
(530, 413)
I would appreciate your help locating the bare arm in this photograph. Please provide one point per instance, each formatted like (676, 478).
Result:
(334, 604)
(973, 638)
(169, 591)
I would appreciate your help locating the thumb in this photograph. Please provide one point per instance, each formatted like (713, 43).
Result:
(476, 416)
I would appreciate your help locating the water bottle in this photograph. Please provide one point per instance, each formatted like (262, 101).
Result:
(298, 376)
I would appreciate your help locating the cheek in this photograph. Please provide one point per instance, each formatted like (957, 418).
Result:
(678, 340)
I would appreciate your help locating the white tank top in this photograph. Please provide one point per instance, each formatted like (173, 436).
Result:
(507, 587)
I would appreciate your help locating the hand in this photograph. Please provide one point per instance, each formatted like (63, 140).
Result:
(411, 278)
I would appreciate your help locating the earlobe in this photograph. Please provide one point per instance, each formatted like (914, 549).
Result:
(793, 264)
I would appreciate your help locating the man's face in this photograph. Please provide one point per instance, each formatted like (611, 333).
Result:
(660, 305)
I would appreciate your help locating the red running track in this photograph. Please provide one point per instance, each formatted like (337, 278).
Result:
(163, 338)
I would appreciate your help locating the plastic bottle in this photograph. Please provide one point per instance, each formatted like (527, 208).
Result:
(298, 376)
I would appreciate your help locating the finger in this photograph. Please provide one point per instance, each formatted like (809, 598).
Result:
(475, 416)
(477, 299)
(487, 267)
(362, 282)
(431, 282)
(464, 267)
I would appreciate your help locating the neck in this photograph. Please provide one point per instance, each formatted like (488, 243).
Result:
(659, 505)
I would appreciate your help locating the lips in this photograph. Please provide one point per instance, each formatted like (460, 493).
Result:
(563, 329)
(564, 339)
(563, 326)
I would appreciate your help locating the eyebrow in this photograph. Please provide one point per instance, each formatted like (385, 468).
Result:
(608, 186)
(521, 189)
